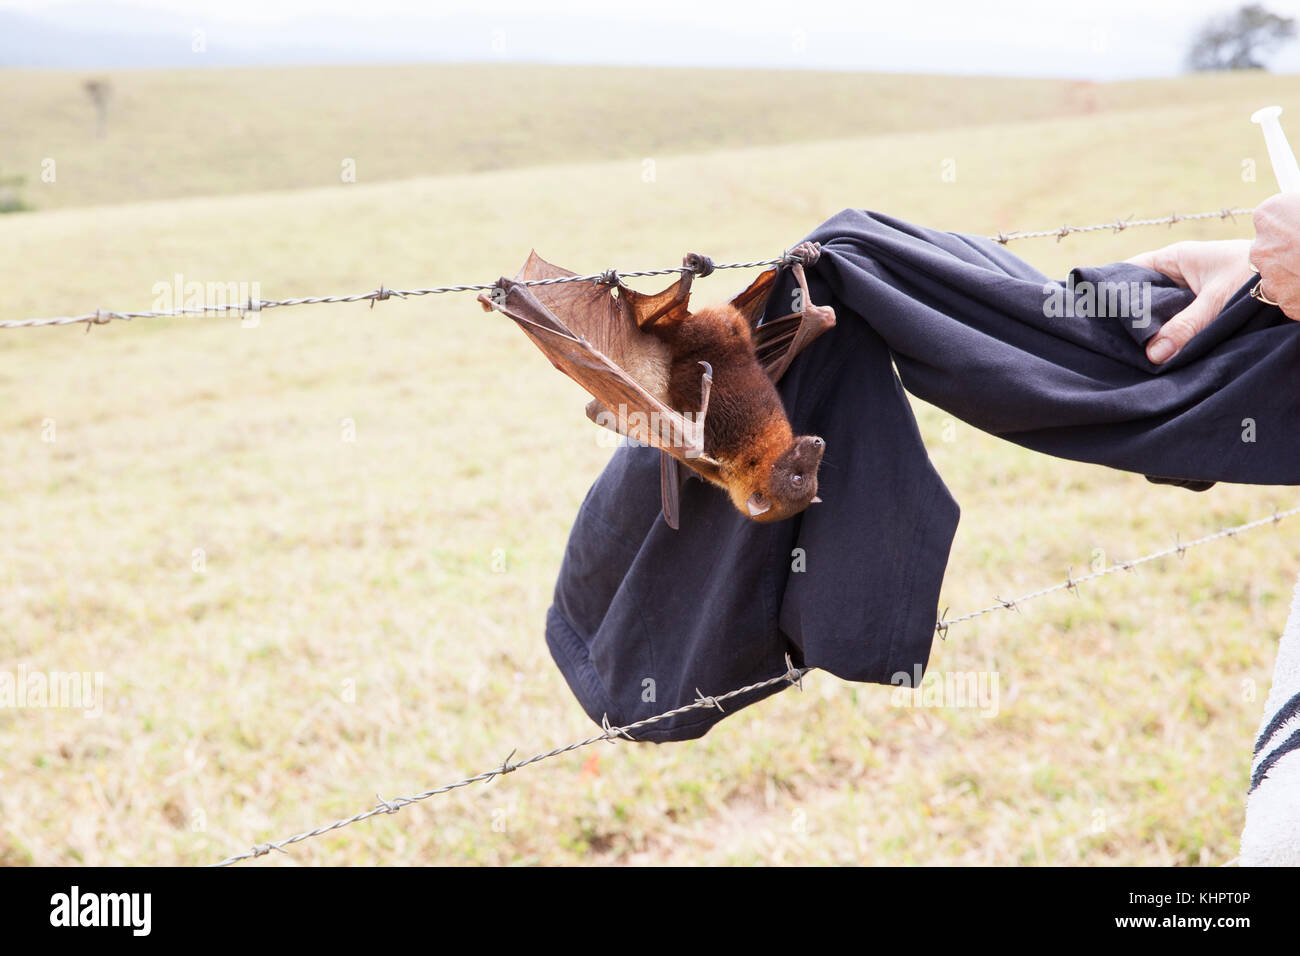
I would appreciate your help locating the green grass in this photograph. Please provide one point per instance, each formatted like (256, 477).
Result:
(349, 634)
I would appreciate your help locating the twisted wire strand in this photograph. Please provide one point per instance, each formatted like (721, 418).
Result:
(1071, 583)
(1119, 225)
(793, 675)
(104, 316)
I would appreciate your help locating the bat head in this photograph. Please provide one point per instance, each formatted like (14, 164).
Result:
(789, 485)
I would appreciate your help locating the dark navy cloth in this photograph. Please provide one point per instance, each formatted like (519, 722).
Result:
(646, 619)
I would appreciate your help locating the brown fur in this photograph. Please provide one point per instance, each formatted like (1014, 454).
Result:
(745, 428)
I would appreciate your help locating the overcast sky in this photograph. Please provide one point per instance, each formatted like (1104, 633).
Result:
(1097, 39)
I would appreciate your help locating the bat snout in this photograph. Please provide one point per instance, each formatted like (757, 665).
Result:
(791, 484)
(808, 451)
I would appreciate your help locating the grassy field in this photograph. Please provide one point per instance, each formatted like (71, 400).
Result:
(170, 134)
(346, 632)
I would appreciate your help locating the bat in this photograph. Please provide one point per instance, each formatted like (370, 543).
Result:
(699, 386)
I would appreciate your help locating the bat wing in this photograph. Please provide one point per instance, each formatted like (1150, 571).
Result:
(753, 301)
(610, 324)
(622, 402)
(777, 341)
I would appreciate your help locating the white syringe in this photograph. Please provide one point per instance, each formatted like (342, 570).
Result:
(1279, 150)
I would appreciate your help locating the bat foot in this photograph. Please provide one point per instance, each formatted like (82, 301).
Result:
(806, 253)
(699, 264)
(822, 315)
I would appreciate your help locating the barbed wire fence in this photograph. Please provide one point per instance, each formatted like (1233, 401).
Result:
(793, 675)
(104, 316)
(1072, 583)
(1119, 225)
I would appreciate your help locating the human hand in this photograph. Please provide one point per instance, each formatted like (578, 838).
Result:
(1212, 270)
(1276, 251)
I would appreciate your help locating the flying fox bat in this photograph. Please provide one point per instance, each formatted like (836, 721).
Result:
(699, 386)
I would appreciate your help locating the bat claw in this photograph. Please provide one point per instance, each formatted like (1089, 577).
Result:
(706, 386)
(694, 421)
(816, 500)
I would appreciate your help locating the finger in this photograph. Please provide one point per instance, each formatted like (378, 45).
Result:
(1178, 331)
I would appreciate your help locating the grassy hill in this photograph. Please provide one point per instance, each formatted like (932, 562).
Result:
(182, 133)
(347, 632)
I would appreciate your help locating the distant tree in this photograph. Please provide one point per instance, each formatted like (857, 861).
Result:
(10, 200)
(99, 91)
(1234, 41)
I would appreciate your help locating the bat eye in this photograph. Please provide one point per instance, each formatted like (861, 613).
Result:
(797, 480)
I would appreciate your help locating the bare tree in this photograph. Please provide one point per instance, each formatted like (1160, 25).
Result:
(99, 92)
(1234, 41)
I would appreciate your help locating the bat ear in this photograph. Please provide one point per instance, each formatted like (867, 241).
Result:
(758, 504)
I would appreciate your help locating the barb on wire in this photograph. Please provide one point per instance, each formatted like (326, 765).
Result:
(104, 316)
(1071, 583)
(793, 676)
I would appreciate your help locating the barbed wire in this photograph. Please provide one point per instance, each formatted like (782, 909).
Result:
(1119, 225)
(104, 316)
(1071, 583)
(793, 675)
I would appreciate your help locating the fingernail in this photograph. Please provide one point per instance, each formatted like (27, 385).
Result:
(1162, 351)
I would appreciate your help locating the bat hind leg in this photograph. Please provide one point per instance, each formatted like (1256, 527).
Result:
(778, 341)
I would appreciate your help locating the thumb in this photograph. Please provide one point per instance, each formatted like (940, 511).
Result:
(1146, 260)
(1178, 331)
(1164, 261)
